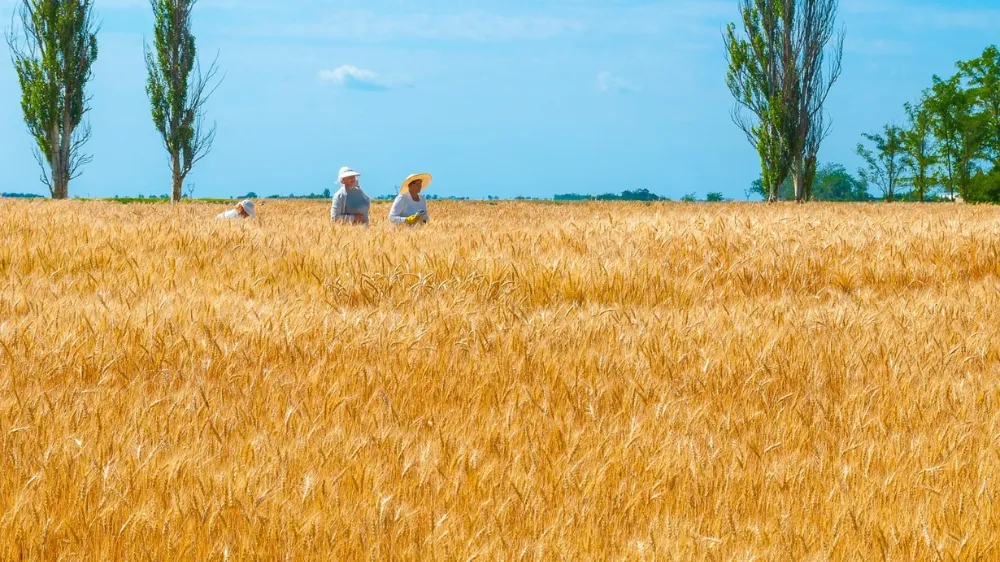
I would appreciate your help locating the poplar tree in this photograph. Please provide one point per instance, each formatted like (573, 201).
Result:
(53, 45)
(178, 90)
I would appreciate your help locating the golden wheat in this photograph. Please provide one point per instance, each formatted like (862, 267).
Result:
(517, 381)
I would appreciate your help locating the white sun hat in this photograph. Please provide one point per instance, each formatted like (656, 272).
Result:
(247, 206)
(347, 172)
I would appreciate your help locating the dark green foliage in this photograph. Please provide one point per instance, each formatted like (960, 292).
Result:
(985, 187)
(832, 183)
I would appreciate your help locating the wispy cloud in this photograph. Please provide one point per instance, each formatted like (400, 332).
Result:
(925, 16)
(873, 47)
(354, 78)
(608, 82)
(470, 26)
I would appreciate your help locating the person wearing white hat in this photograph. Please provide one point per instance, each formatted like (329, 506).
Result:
(350, 203)
(244, 210)
(410, 206)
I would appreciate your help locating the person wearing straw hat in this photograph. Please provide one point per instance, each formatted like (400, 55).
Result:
(410, 206)
(350, 203)
(244, 210)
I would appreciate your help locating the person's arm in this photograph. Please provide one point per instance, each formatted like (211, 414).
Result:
(339, 210)
(396, 215)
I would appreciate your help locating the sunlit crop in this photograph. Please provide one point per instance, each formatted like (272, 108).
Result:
(518, 381)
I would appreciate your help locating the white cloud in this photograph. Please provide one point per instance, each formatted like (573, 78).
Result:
(354, 78)
(607, 82)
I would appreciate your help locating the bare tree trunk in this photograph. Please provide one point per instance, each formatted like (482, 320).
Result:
(59, 187)
(809, 177)
(798, 177)
(64, 148)
(178, 179)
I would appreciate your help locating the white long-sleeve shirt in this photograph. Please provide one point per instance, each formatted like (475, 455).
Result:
(404, 206)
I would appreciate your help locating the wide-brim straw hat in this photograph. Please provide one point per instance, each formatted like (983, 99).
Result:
(347, 172)
(413, 177)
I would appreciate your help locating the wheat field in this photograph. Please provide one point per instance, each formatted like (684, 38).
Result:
(516, 381)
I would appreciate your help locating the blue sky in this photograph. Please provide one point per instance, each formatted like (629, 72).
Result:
(494, 98)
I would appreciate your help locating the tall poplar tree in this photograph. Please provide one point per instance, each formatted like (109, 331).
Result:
(53, 45)
(178, 90)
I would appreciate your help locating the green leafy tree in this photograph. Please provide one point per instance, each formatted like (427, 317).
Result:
(983, 78)
(780, 72)
(53, 46)
(178, 90)
(715, 197)
(762, 89)
(919, 150)
(814, 62)
(959, 132)
(885, 163)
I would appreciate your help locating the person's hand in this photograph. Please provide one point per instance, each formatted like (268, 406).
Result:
(412, 220)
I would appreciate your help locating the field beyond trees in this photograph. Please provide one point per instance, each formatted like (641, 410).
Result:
(517, 381)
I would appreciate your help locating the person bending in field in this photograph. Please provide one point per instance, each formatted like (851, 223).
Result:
(350, 203)
(410, 206)
(244, 210)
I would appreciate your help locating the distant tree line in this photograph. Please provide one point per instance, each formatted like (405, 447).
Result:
(22, 195)
(324, 195)
(637, 195)
(950, 142)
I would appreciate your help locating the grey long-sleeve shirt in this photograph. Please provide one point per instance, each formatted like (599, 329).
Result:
(349, 202)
